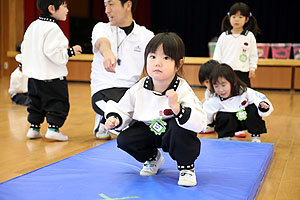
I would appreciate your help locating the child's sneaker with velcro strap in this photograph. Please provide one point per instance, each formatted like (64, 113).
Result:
(256, 139)
(187, 177)
(151, 167)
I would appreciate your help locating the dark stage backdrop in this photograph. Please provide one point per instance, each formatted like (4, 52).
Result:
(198, 21)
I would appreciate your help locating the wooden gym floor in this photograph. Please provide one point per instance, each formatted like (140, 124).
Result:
(19, 155)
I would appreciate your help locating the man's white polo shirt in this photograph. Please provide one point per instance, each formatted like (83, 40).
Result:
(131, 52)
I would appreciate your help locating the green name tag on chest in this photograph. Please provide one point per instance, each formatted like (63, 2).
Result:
(158, 126)
(241, 115)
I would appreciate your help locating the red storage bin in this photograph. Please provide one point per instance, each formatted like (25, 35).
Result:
(263, 50)
(281, 50)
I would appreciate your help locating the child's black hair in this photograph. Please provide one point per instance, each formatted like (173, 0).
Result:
(244, 9)
(44, 4)
(173, 46)
(223, 70)
(206, 69)
(134, 4)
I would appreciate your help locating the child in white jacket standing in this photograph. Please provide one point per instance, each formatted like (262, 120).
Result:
(234, 106)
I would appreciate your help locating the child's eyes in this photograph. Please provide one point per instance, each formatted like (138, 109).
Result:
(166, 58)
(152, 56)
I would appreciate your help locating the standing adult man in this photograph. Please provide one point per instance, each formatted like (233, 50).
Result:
(118, 48)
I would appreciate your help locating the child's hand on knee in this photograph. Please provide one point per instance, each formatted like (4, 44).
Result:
(111, 123)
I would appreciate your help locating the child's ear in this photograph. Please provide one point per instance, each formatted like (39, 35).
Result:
(181, 62)
(180, 65)
(51, 9)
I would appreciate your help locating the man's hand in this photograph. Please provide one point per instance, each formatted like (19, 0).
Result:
(109, 61)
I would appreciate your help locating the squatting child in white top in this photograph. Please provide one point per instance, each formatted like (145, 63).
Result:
(18, 87)
(45, 54)
(234, 106)
(205, 71)
(167, 112)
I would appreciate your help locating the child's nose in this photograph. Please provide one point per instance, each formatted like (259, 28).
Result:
(158, 62)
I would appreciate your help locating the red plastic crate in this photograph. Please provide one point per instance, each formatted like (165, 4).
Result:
(263, 50)
(281, 50)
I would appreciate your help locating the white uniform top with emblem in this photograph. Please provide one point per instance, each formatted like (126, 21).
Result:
(239, 51)
(128, 48)
(143, 104)
(234, 104)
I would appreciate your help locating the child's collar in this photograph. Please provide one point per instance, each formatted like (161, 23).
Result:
(148, 84)
(47, 18)
(223, 99)
(244, 32)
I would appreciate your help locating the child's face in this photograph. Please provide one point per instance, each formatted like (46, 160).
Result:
(116, 13)
(61, 13)
(222, 87)
(160, 67)
(237, 20)
(206, 84)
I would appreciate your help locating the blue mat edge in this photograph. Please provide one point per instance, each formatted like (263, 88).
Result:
(262, 174)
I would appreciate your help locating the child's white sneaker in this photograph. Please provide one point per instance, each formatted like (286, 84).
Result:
(187, 177)
(102, 133)
(208, 130)
(240, 134)
(33, 134)
(53, 135)
(151, 167)
(256, 139)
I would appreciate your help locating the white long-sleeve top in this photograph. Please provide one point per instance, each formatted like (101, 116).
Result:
(44, 50)
(18, 82)
(216, 104)
(143, 104)
(239, 51)
(128, 48)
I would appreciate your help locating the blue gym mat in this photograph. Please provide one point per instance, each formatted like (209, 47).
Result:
(226, 170)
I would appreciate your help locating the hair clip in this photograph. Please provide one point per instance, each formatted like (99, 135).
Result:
(228, 13)
(250, 15)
